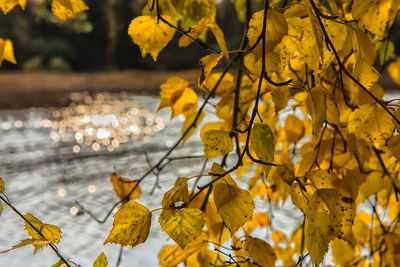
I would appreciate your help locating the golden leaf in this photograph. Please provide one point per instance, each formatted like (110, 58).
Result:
(170, 256)
(317, 106)
(65, 9)
(280, 96)
(101, 261)
(122, 187)
(1, 186)
(374, 15)
(176, 94)
(262, 141)
(260, 251)
(188, 122)
(26, 242)
(371, 123)
(185, 226)
(294, 129)
(394, 71)
(204, 258)
(235, 205)
(329, 213)
(219, 36)
(209, 62)
(50, 232)
(393, 144)
(7, 5)
(150, 34)
(216, 143)
(131, 225)
(194, 32)
(178, 194)
(7, 51)
(342, 252)
(286, 174)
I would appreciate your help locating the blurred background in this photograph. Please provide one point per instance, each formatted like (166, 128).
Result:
(97, 40)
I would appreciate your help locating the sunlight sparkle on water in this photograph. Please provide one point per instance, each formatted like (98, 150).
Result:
(105, 119)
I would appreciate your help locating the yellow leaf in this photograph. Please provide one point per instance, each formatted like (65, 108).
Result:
(280, 96)
(262, 141)
(219, 36)
(393, 144)
(177, 195)
(170, 256)
(374, 15)
(131, 225)
(286, 174)
(235, 205)
(65, 9)
(176, 94)
(101, 261)
(7, 51)
(317, 106)
(122, 187)
(276, 27)
(185, 226)
(204, 258)
(50, 232)
(372, 185)
(26, 242)
(342, 252)
(188, 122)
(294, 129)
(7, 5)
(321, 179)
(150, 34)
(260, 251)
(209, 62)
(1, 186)
(194, 32)
(394, 71)
(371, 123)
(330, 213)
(216, 143)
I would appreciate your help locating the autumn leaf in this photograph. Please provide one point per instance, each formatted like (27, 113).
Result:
(294, 129)
(101, 261)
(7, 5)
(176, 94)
(185, 226)
(50, 232)
(65, 9)
(393, 144)
(1, 186)
(131, 225)
(342, 252)
(216, 143)
(317, 106)
(371, 123)
(177, 195)
(235, 205)
(209, 62)
(374, 15)
(26, 242)
(194, 32)
(150, 34)
(394, 71)
(329, 213)
(170, 256)
(260, 251)
(123, 186)
(7, 51)
(262, 141)
(219, 36)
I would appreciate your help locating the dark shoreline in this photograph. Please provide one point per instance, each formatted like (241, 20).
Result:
(20, 90)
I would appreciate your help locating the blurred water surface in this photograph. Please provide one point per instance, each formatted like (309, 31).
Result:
(49, 158)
